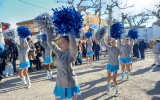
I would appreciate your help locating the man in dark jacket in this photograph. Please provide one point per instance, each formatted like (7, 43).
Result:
(142, 48)
(97, 50)
(136, 50)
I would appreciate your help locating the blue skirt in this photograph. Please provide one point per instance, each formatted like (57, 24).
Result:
(47, 60)
(89, 53)
(125, 60)
(66, 93)
(112, 68)
(24, 65)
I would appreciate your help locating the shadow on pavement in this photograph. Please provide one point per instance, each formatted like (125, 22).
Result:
(156, 90)
(16, 83)
(142, 71)
(156, 98)
(91, 90)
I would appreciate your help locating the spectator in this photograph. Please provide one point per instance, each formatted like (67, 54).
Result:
(38, 55)
(2, 62)
(84, 49)
(8, 62)
(93, 48)
(14, 54)
(31, 54)
(156, 52)
(142, 48)
(79, 56)
(136, 50)
(97, 50)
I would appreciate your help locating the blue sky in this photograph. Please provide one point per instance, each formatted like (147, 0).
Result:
(14, 11)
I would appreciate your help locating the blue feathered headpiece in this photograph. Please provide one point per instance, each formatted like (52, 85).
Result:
(100, 33)
(116, 30)
(23, 32)
(44, 37)
(9, 34)
(133, 33)
(44, 20)
(67, 20)
(88, 34)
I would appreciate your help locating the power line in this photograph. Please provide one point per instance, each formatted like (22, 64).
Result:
(33, 5)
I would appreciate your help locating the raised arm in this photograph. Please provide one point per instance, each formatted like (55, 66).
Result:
(17, 45)
(26, 44)
(119, 44)
(73, 47)
(42, 44)
(106, 44)
(132, 42)
(52, 44)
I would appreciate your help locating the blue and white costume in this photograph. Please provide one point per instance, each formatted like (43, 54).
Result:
(23, 54)
(48, 53)
(89, 49)
(113, 62)
(66, 84)
(125, 53)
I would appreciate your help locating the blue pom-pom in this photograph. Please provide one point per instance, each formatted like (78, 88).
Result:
(88, 34)
(116, 30)
(133, 33)
(23, 32)
(67, 20)
(100, 33)
(9, 34)
(44, 20)
(44, 37)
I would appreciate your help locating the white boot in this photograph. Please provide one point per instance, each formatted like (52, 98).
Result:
(91, 65)
(116, 91)
(108, 87)
(24, 81)
(122, 75)
(28, 82)
(48, 75)
(128, 74)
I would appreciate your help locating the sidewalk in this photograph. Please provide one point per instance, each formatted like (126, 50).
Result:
(144, 84)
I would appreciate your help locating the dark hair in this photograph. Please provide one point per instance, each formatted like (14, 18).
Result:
(28, 39)
(66, 38)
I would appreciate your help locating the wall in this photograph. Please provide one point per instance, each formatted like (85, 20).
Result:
(156, 32)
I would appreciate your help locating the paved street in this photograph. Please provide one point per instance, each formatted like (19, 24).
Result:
(144, 84)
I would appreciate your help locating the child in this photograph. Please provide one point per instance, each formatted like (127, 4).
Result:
(113, 64)
(66, 85)
(125, 58)
(90, 52)
(96, 50)
(23, 49)
(47, 57)
(8, 60)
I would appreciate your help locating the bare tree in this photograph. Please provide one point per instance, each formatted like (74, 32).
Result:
(156, 14)
(135, 21)
(80, 7)
(110, 8)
